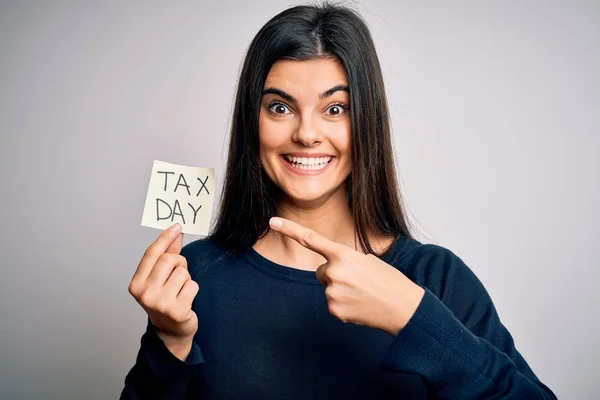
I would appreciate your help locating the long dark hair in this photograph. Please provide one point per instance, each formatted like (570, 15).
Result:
(249, 197)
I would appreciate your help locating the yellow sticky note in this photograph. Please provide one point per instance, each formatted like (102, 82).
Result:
(179, 193)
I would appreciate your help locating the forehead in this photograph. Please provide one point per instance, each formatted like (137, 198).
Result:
(317, 74)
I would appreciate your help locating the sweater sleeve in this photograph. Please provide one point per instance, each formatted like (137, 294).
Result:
(456, 342)
(158, 374)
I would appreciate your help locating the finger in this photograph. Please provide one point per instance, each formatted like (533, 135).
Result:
(155, 250)
(163, 269)
(176, 245)
(306, 237)
(321, 274)
(175, 283)
(188, 293)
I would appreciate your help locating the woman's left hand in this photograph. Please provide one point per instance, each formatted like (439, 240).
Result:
(360, 288)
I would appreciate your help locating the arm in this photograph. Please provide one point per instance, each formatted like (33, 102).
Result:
(164, 288)
(456, 342)
(158, 374)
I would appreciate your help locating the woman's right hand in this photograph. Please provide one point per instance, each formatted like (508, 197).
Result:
(164, 288)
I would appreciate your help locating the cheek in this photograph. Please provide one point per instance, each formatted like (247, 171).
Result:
(341, 139)
(265, 135)
(269, 140)
(273, 134)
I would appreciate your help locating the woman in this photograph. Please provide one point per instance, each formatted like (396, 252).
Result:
(332, 298)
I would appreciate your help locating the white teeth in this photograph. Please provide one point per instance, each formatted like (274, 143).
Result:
(308, 163)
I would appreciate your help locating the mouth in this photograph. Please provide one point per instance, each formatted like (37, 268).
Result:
(308, 163)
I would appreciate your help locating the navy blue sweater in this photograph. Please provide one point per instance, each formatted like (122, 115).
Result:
(265, 332)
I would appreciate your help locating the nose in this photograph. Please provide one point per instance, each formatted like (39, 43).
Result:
(308, 133)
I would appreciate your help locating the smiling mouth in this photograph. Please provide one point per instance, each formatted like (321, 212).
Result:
(308, 163)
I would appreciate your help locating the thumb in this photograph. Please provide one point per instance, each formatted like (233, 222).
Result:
(176, 245)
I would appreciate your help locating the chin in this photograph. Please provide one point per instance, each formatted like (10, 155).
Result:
(310, 196)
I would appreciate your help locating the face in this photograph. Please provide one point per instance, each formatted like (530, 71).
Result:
(304, 128)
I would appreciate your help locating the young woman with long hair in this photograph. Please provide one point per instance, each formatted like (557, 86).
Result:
(310, 285)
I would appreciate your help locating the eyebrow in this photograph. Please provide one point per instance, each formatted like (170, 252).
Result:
(292, 99)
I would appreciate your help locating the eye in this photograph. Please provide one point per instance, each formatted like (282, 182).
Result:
(337, 109)
(279, 108)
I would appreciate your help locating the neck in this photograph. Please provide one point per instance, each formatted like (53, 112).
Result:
(330, 217)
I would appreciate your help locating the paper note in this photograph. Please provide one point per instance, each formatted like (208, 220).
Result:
(181, 194)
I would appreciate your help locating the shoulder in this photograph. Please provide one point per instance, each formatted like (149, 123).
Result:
(437, 268)
(203, 254)
(445, 275)
(416, 258)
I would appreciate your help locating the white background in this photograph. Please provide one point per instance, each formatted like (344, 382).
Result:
(495, 110)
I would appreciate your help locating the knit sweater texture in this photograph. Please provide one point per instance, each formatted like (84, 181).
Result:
(265, 332)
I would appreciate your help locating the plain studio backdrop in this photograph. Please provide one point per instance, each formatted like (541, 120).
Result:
(495, 110)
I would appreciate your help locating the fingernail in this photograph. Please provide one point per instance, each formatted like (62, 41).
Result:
(175, 227)
(276, 222)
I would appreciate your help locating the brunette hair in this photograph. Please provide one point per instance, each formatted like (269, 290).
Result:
(249, 197)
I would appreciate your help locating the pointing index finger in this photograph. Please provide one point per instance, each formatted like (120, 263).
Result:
(306, 237)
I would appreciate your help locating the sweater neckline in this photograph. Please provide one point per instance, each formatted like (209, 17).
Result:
(281, 271)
